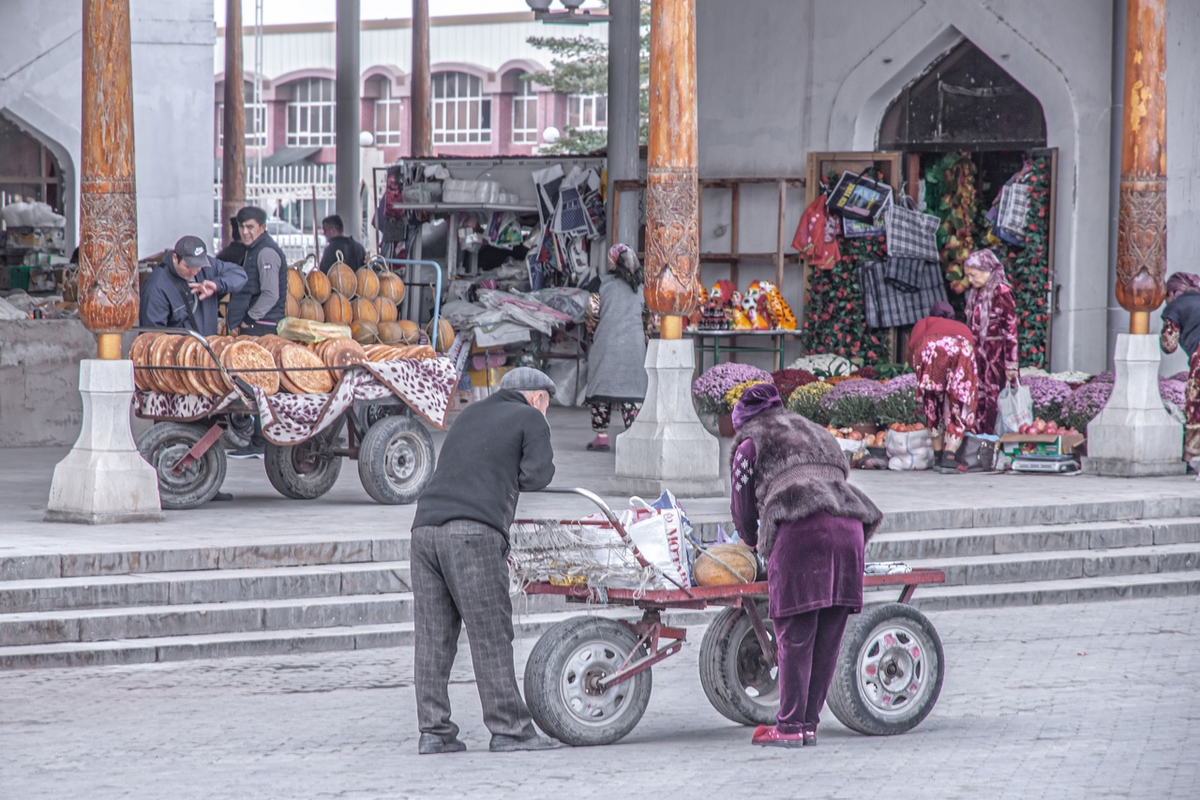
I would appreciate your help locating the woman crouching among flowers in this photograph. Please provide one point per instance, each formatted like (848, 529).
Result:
(791, 499)
(942, 353)
(1181, 325)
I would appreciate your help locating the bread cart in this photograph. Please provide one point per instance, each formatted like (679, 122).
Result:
(588, 678)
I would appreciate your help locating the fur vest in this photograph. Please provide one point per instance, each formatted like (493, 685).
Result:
(800, 471)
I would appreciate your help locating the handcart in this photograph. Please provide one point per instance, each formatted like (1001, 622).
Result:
(394, 450)
(588, 678)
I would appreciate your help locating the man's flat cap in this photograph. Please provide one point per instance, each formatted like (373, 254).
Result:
(527, 379)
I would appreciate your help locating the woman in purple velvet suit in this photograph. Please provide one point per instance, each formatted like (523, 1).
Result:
(791, 501)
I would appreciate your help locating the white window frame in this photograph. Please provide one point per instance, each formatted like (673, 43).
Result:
(385, 106)
(255, 139)
(525, 100)
(461, 112)
(585, 110)
(304, 110)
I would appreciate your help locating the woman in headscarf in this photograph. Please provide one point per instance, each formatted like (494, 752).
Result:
(941, 351)
(1181, 325)
(992, 317)
(792, 501)
(617, 357)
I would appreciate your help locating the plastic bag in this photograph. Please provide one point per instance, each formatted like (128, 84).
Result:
(912, 450)
(1016, 409)
(659, 535)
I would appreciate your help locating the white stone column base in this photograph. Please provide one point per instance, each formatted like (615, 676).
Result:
(1134, 436)
(104, 479)
(667, 447)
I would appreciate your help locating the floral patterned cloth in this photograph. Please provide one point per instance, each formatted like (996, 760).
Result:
(995, 353)
(1169, 340)
(425, 385)
(947, 387)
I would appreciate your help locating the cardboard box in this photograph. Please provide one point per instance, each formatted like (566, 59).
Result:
(487, 377)
(1040, 444)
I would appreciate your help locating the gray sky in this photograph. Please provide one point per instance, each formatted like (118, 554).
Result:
(276, 12)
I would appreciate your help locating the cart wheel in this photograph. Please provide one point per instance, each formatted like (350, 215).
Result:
(303, 471)
(395, 460)
(738, 681)
(163, 445)
(560, 681)
(238, 431)
(378, 412)
(889, 671)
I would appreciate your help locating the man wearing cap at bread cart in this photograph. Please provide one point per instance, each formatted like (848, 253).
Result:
(496, 449)
(184, 291)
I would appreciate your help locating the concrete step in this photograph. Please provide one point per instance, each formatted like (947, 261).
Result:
(261, 643)
(203, 586)
(1072, 590)
(911, 545)
(1065, 564)
(189, 559)
(1040, 513)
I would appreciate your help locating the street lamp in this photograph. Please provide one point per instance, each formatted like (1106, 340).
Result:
(571, 14)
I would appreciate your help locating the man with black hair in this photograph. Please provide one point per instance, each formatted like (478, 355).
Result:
(258, 307)
(337, 241)
(185, 289)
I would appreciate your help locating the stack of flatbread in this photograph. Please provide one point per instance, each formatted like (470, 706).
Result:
(173, 364)
(391, 352)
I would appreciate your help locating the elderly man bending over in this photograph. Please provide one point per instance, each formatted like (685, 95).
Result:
(495, 450)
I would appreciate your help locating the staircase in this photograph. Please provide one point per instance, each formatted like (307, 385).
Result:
(143, 606)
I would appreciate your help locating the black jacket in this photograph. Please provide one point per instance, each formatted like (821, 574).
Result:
(236, 314)
(165, 296)
(352, 253)
(496, 449)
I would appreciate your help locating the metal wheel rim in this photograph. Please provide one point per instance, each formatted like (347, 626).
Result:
(758, 681)
(403, 459)
(168, 454)
(583, 700)
(305, 458)
(895, 669)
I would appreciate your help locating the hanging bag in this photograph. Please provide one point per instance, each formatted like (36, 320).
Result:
(977, 453)
(1016, 409)
(911, 233)
(859, 198)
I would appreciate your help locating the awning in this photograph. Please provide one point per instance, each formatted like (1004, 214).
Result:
(289, 155)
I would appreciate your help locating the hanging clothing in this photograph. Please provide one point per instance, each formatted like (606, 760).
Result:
(994, 324)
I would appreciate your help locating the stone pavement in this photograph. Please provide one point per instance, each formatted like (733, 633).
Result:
(1089, 701)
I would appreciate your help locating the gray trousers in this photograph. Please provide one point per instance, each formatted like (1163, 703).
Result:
(459, 574)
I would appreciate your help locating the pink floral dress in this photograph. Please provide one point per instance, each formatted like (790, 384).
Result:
(1169, 340)
(995, 354)
(946, 387)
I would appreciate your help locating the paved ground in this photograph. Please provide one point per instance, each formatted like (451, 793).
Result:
(1089, 701)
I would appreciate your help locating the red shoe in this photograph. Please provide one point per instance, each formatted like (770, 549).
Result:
(769, 736)
(810, 738)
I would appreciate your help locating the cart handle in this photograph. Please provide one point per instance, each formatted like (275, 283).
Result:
(620, 529)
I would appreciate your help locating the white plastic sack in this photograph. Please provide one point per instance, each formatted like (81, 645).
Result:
(659, 535)
(910, 451)
(1016, 409)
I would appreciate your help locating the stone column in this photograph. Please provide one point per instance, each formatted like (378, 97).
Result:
(624, 87)
(233, 130)
(421, 93)
(349, 116)
(668, 447)
(104, 479)
(1133, 435)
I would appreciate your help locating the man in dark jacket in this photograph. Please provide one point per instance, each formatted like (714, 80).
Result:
(495, 450)
(261, 303)
(185, 289)
(337, 241)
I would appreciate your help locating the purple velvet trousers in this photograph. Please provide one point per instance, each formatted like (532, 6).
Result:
(815, 578)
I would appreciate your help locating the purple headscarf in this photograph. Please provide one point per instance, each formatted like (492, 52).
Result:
(755, 399)
(984, 261)
(942, 309)
(1181, 282)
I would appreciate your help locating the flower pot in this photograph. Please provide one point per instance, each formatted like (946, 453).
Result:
(709, 421)
(725, 426)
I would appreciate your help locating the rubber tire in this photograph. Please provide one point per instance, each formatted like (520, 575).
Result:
(545, 669)
(238, 430)
(846, 699)
(373, 468)
(728, 637)
(200, 481)
(287, 476)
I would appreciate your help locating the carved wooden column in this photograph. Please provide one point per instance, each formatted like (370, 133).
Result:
(233, 154)
(421, 91)
(1142, 221)
(672, 191)
(108, 290)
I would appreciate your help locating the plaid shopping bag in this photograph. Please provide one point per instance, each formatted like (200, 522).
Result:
(1014, 207)
(911, 234)
(900, 291)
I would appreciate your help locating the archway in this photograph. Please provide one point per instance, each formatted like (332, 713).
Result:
(36, 169)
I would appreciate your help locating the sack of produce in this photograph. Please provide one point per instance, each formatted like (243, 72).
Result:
(909, 449)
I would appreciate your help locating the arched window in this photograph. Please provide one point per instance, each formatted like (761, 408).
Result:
(256, 119)
(387, 115)
(461, 113)
(524, 112)
(310, 117)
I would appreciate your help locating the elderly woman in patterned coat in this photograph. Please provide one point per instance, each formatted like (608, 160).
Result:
(1181, 326)
(992, 318)
(942, 353)
(792, 501)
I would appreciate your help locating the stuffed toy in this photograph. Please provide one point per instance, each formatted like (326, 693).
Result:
(758, 322)
(738, 320)
(776, 308)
